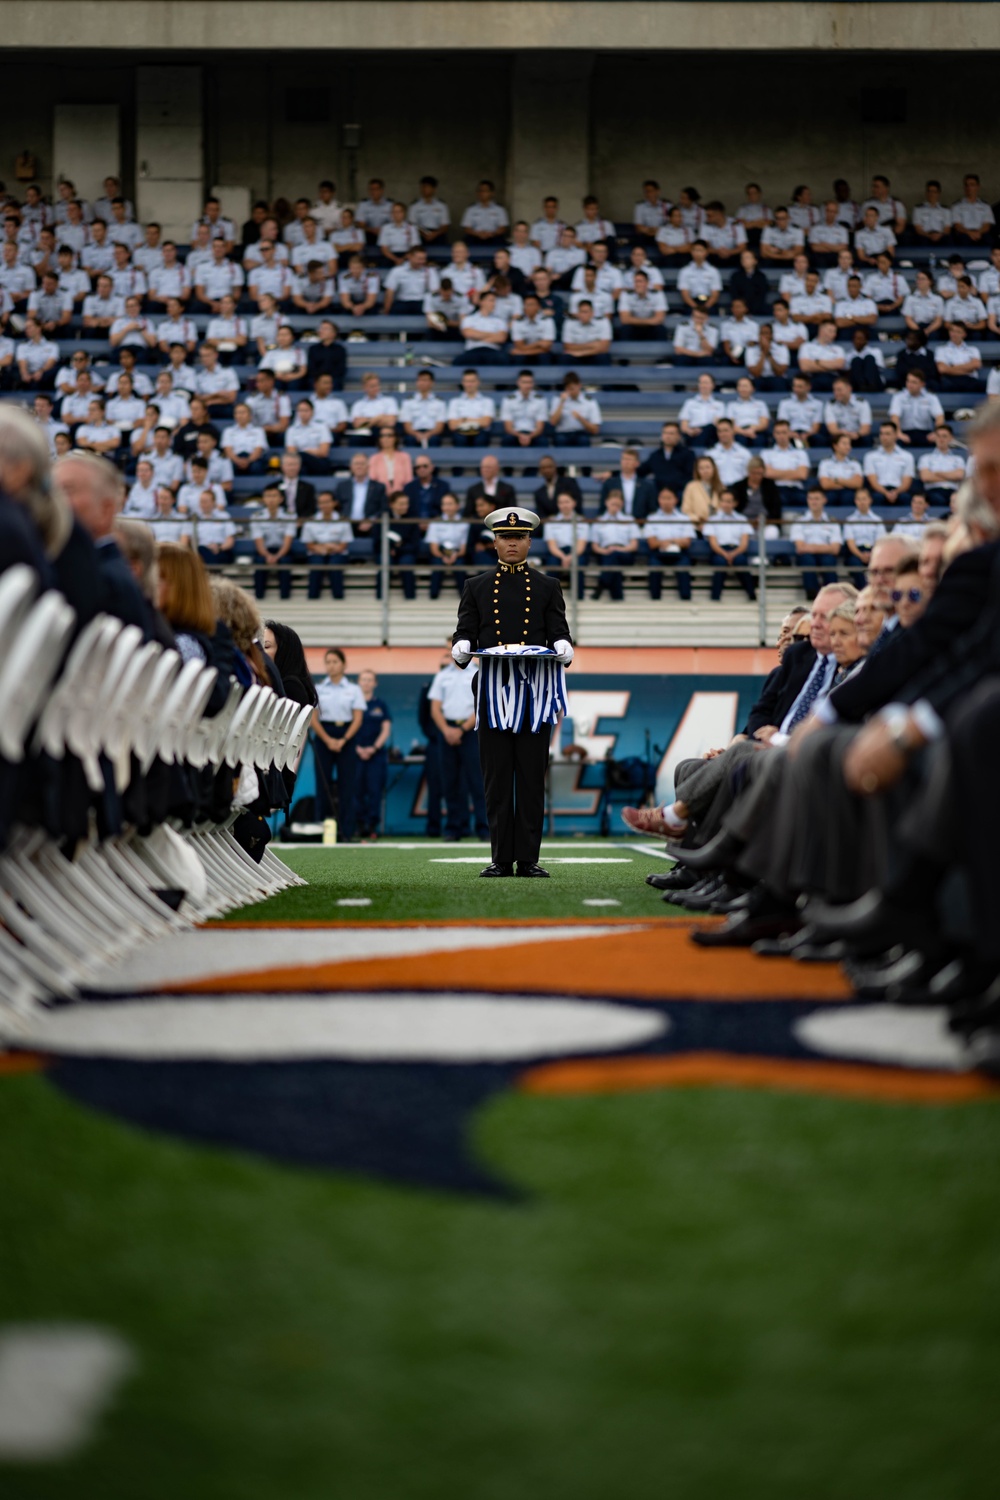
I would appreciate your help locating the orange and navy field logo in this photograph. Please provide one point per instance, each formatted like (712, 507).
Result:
(369, 1048)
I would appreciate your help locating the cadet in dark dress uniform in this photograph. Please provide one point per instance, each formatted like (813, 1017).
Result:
(520, 695)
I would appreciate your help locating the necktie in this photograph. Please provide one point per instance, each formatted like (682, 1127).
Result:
(809, 694)
(880, 642)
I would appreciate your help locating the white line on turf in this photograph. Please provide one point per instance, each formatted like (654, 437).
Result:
(651, 850)
(354, 901)
(467, 843)
(55, 1380)
(600, 901)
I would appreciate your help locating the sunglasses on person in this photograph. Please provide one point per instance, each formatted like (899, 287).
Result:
(914, 595)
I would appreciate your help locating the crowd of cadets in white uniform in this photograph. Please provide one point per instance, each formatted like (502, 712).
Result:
(549, 284)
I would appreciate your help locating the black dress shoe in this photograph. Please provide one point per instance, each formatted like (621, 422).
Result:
(742, 930)
(720, 853)
(871, 924)
(495, 869)
(700, 896)
(533, 872)
(673, 880)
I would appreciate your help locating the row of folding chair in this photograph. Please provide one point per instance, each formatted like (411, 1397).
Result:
(114, 701)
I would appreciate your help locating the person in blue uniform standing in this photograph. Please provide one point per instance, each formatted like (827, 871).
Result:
(372, 742)
(335, 724)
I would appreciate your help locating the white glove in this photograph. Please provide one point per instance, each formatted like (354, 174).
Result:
(461, 653)
(564, 652)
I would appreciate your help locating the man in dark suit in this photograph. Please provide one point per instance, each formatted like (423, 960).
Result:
(425, 489)
(638, 495)
(553, 484)
(750, 283)
(300, 495)
(762, 491)
(671, 465)
(500, 494)
(327, 356)
(361, 500)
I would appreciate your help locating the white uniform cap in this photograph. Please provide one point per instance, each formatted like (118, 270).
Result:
(514, 520)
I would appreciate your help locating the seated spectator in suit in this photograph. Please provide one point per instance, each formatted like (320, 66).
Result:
(750, 284)
(562, 538)
(668, 535)
(551, 486)
(638, 495)
(491, 485)
(425, 490)
(360, 499)
(671, 465)
(298, 495)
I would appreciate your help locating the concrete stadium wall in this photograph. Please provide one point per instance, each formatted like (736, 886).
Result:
(568, 122)
(527, 25)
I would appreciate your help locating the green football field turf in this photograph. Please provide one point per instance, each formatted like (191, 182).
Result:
(416, 879)
(697, 1294)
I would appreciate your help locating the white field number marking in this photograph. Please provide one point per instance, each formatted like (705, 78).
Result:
(55, 1380)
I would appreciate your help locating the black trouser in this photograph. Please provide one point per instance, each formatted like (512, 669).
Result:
(514, 767)
(463, 781)
(345, 764)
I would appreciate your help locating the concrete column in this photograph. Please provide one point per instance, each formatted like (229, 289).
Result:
(550, 123)
(168, 148)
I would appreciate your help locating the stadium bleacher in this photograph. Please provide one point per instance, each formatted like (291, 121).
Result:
(639, 383)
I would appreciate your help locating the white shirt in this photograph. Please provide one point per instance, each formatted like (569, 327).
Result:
(932, 218)
(888, 210)
(729, 531)
(801, 416)
(476, 323)
(575, 332)
(125, 412)
(670, 528)
(398, 238)
(524, 412)
(808, 305)
(653, 274)
(272, 532)
(546, 233)
(575, 407)
(429, 213)
(471, 409)
(588, 231)
(216, 530)
(788, 333)
(782, 239)
(562, 533)
(923, 307)
(141, 501)
(728, 236)
(863, 530)
(840, 469)
(540, 330)
(217, 382)
(486, 218)
(889, 468)
(739, 332)
(464, 279)
(564, 258)
(219, 278)
(331, 410)
(687, 339)
(453, 689)
(972, 215)
(103, 307)
(450, 536)
(831, 356)
(699, 281)
(168, 281)
(338, 700)
(327, 215)
(750, 413)
(916, 413)
(171, 527)
(525, 258)
(36, 356)
(732, 463)
(785, 460)
(304, 437)
(373, 407)
(423, 413)
(819, 533)
(955, 354)
(412, 285)
(702, 411)
(848, 416)
(607, 532)
(828, 234)
(959, 309)
(326, 533)
(244, 440)
(608, 279)
(936, 463)
(887, 286)
(873, 241)
(602, 302)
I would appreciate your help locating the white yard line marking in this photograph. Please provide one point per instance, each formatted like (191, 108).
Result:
(406, 1027)
(354, 901)
(55, 1381)
(600, 901)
